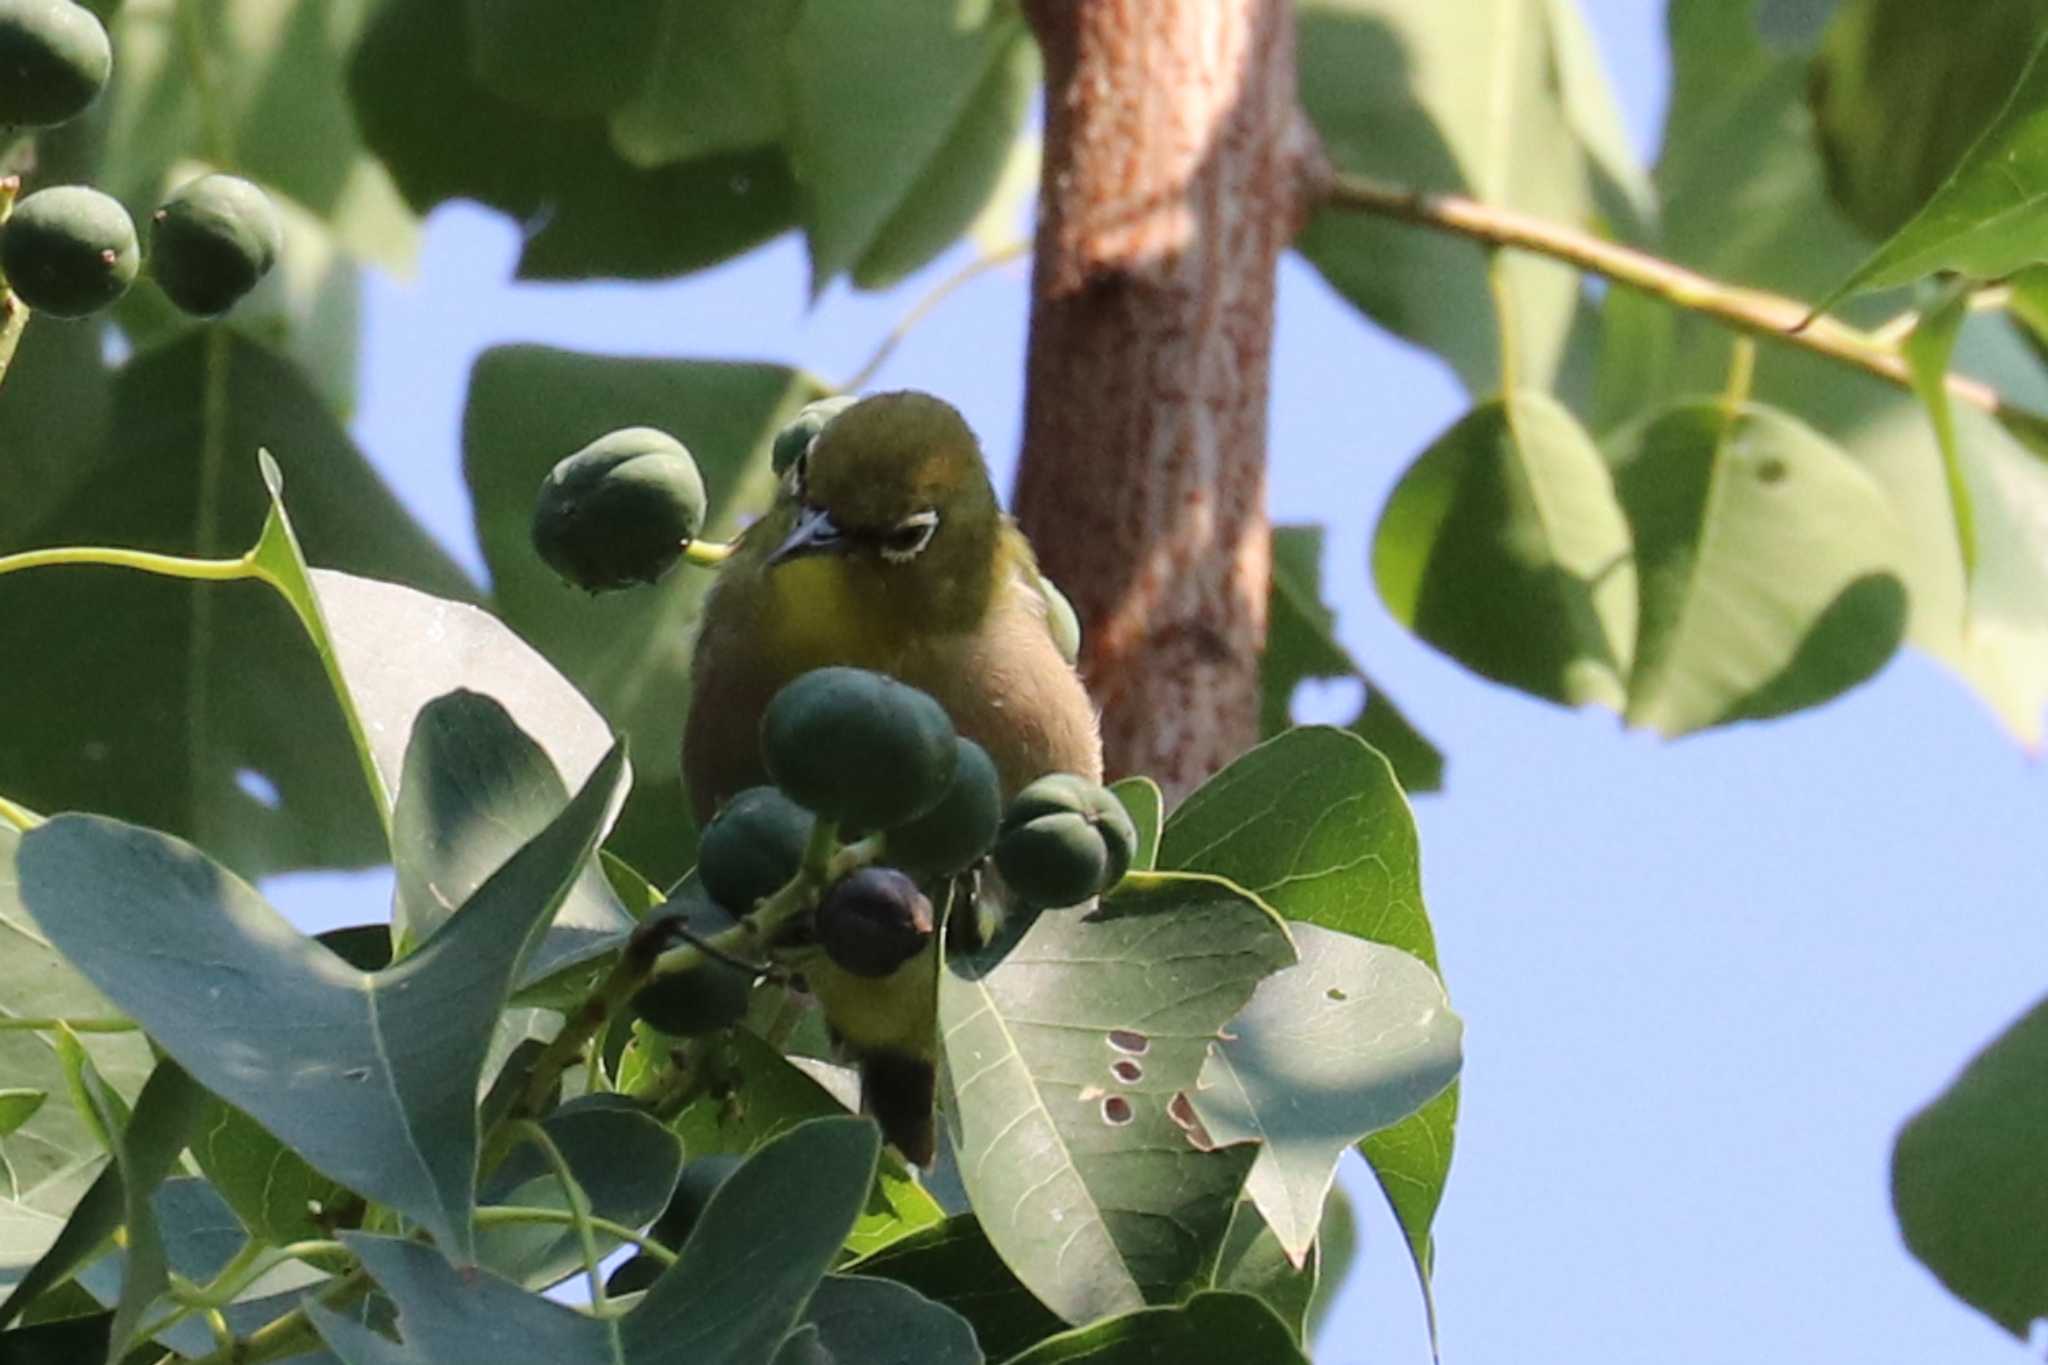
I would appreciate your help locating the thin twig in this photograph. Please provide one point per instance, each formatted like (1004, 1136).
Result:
(1757, 312)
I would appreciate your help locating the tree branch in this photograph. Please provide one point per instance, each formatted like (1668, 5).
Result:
(1755, 312)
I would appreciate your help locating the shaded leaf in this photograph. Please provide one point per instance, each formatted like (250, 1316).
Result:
(1209, 1329)
(1146, 805)
(1336, 1250)
(1350, 1040)
(1503, 546)
(1065, 1053)
(715, 84)
(1301, 643)
(1928, 351)
(953, 1264)
(585, 210)
(18, 1106)
(372, 1077)
(562, 60)
(271, 1189)
(879, 1322)
(1767, 562)
(1970, 1179)
(1253, 1262)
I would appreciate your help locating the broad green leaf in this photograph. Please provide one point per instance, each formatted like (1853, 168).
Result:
(862, 1319)
(1768, 565)
(953, 1264)
(63, 1341)
(1620, 182)
(1301, 643)
(50, 1157)
(1353, 1038)
(372, 1077)
(1900, 91)
(1336, 1250)
(715, 84)
(1492, 99)
(562, 60)
(625, 1161)
(1503, 546)
(1068, 1053)
(629, 652)
(475, 788)
(1209, 1329)
(1146, 805)
(1254, 1263)
(271, 1189)
(18, 1106)
(1987, 219)
(1970, 1179)
(585, 210)
(54, 412)
(198, 709)
(1928, 351)
(902, 114)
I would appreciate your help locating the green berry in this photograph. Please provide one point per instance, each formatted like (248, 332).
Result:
(873, 921)
(953, 834)
(795, 439)
(1064, 839)
(620, 510)
(700, 1180)
(858, 747)
(69, 251)
(752, 847)
(210, 243)
(706, 997)
(54, 61)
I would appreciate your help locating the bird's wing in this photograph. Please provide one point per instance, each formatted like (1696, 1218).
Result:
(1047, 602)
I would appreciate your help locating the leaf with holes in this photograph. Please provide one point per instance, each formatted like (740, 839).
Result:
(1067, 1054)
(372, 1077)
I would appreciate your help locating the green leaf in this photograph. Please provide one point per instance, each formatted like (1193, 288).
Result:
(715, 84)
(1336, 1251)
(1067, 1055)
(1503, 546)
(374, 1081)
(628, 652)
(271, 1189)
(1352, 1039)
(953, 1264)
(50, 1158)
(54, 412)
(1254, 1263)
(1301, 643)
(1900, 91)
(901, 117)
(1495, 100)
(625, 1161)
(1145, 804)
(1970, 1179)
(187, 705)
(1768, 563)
(585, 210)
(1928, 351)
(476, 787)
(1988, 217)
(1412, 1162)
(18, 1106)
(1209, 1329)
(862, 1319)
(562, 60)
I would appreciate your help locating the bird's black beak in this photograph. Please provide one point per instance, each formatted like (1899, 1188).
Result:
(815, 534)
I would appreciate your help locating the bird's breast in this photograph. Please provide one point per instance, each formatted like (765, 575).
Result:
(820, 616)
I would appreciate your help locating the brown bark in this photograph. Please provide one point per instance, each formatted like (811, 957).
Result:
(1172, 160)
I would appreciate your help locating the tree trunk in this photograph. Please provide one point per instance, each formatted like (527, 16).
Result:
(1173, 154)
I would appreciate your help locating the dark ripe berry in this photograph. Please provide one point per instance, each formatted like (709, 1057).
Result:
(69, 251)
(619, 511)
(858, 747)
(873, 921)
(793, 442)
(953, 834)
(751, 847)
(700, 1180)
(54, 61)
(211, 241)
(706, 997)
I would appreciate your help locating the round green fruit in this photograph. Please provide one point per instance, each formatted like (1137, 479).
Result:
(1064, 839)
(873, 921)
(69, 251)
(793, 442)
(210, 243)
(54, 61)
(858, 747)
(752, 847)
(700, 1180)
(620, 510)
(953, 834)
(703, 998)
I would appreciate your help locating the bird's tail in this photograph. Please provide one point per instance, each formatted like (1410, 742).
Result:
(899, 1090)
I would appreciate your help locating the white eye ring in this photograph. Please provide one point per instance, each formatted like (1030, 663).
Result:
(908, 537)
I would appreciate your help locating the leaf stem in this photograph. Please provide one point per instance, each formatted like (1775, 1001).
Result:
(21, 817)
(1756, 312)
(521, 1213)
(16, 1023)
(292, 1334)
(579, 1207)
(708, 554)
(112, 556)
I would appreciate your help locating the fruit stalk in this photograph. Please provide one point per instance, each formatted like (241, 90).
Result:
(13, 312)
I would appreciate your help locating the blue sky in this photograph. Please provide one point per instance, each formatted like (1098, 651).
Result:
(1703, 982)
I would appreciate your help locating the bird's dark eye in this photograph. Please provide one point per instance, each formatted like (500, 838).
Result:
(908, 536)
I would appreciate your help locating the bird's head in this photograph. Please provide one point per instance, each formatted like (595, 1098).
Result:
(895, 490)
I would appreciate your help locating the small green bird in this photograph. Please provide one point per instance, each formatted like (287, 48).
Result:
(887, 550)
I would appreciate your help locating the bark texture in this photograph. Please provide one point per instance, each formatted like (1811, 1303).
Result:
(1173, 157)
